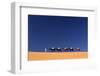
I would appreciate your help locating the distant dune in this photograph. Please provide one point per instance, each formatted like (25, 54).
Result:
(56, 55)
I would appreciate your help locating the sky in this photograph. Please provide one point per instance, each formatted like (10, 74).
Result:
(57, 31)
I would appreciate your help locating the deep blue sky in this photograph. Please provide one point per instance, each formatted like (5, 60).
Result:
(57, 31)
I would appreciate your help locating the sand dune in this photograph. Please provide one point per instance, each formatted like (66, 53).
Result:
(56, 55)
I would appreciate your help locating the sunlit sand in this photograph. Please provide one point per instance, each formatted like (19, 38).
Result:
(56, 55)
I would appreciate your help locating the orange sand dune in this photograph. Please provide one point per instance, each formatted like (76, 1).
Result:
(56, 55)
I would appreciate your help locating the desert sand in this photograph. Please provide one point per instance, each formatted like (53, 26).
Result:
(56, 55)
